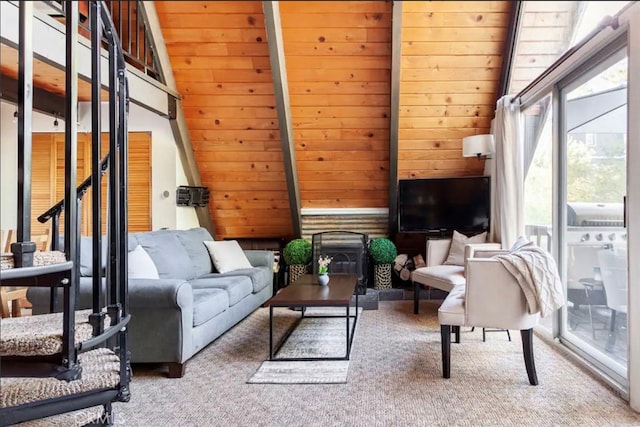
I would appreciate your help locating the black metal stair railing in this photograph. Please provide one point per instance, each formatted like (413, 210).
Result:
(54, 212)
(113, 336)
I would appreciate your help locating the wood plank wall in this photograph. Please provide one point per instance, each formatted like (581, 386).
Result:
(220, 60)
(450, 72)
(338, 62)
(338, 57)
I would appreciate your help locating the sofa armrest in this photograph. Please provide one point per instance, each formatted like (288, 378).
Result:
(161, 320)
(260, 258)
(160, 293)
(437, 251)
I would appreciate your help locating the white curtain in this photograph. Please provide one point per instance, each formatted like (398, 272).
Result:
(507, 174)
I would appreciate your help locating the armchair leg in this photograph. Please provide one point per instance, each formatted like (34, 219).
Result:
(416, 298)
(527, 349)
(456, 331)
(445, 333)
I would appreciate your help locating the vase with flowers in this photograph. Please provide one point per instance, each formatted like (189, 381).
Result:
(323, 269)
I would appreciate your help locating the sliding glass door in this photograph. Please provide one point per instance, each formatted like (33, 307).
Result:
(592, 154)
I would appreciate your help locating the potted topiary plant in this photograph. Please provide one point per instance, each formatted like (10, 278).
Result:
(297, 255)
(383, 252)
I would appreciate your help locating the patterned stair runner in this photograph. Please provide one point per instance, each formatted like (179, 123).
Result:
(82, 417)
(39, 259)
(41, 335)
(100, 370)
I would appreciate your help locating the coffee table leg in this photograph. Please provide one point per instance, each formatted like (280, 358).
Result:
(348, 341)
(353, 328)
(270, 332)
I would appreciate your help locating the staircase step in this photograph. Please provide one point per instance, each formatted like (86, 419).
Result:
(82, 417)
(100, 370)
(41, 335)
(39, 259)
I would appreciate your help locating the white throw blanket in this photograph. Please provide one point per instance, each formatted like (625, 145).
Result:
(537, 273)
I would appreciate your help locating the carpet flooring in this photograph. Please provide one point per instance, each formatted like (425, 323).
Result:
(395, 379)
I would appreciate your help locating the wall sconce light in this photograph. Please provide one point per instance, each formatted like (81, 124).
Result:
(56, 124)
(478, 146)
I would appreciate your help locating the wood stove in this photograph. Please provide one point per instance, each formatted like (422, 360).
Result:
(349, 252)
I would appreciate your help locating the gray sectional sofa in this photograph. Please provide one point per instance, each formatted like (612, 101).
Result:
(189, 306)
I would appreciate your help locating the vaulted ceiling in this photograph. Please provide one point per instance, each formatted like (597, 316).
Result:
(338, 66)
(350, 138)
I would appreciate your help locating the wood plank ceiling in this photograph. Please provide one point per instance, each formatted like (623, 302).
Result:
(338, 61)
(45, 75)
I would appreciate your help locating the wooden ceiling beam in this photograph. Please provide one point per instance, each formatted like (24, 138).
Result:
(510, 43)
(283, 108)
(176, 115)
(396, 64)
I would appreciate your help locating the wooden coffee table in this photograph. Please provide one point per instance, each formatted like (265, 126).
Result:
(306, 292)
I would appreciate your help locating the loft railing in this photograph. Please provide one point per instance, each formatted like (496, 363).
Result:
(130, 24)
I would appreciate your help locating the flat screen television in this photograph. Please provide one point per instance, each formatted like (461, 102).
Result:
(441, 205)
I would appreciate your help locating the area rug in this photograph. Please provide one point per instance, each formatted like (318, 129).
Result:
(313, 337)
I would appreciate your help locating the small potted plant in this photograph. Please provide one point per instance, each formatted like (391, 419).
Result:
(297, 255)
(383, 252)
(323, 269)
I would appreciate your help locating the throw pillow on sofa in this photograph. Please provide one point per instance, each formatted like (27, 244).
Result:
(140, 265)
(227, 255)
(456, 252)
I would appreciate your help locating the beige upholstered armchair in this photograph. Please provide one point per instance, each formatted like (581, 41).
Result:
(439, 274)
(490, 298)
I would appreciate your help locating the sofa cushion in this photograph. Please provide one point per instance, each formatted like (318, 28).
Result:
(192, 241)
(237, 287)
(140, 265)
(443, 277)
(227, 255)
(167, 253)
(456, 251)
(208, 303)
(260, 276)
